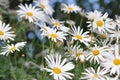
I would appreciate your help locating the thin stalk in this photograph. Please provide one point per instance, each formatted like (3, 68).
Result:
(81, 21)
(12, 72)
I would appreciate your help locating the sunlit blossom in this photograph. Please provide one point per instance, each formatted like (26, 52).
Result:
(59, 68)
(12, 47)
(70, 8)
(5, 32)
(30, 13)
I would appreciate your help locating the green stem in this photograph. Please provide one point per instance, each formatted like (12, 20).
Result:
(81, 21)
(13, 75)
(12, 72)
(43, 51)
(15, 60)
(10, 64)
(20, 28)
(69, 16)
(49, 45)
(83, 66)
(91, 34)
(52, 45)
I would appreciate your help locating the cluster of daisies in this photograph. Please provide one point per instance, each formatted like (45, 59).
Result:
(98, 46)
(8, 36)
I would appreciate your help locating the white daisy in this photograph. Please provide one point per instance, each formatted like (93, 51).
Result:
(44, 5)
(107, 42)
(83, 13)
(30, 13)
(80, 55)
(13, 47)
(77, 53)
(70, 22)
(5, 32)
(70, 8)
(59, 68)
(92, 74)
(115, 34)
(97, 53)
(59, 25)
(44, 29)
(77, 34)
(93, 15)
(117, 21)
(102, 24)
(112, 61)
(55, 35)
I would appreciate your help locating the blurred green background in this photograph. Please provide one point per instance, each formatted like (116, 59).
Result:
(14, 66)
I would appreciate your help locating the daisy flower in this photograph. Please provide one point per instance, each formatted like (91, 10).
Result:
(93, 15)
(77, 53)
(102, 24)
(44, 5)
(30, 13)
(55, 35)
(83, 13)
(117, 21)
(115, 34)
(107, 42)
(13, 47)
(70, 8)
(92, 74)
(80, 55)
(59, 25)
(59, 68)
(5, 32)
(70, 22)
(77, 34)
(97, 53)
(44, 29)
(112, 61)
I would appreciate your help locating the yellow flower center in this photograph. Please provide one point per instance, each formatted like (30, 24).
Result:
(95, 76)
(57, 24)
(42, 6)
(116, 61)
(29, 14)
(99, 23)
(54, 35)
(1, 33)
(57, 70)
(78, 37)
(78, 54)
(96, 52)
(12, 48)
(70, 8)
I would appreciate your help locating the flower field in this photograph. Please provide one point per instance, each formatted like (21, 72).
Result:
(38, 44)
